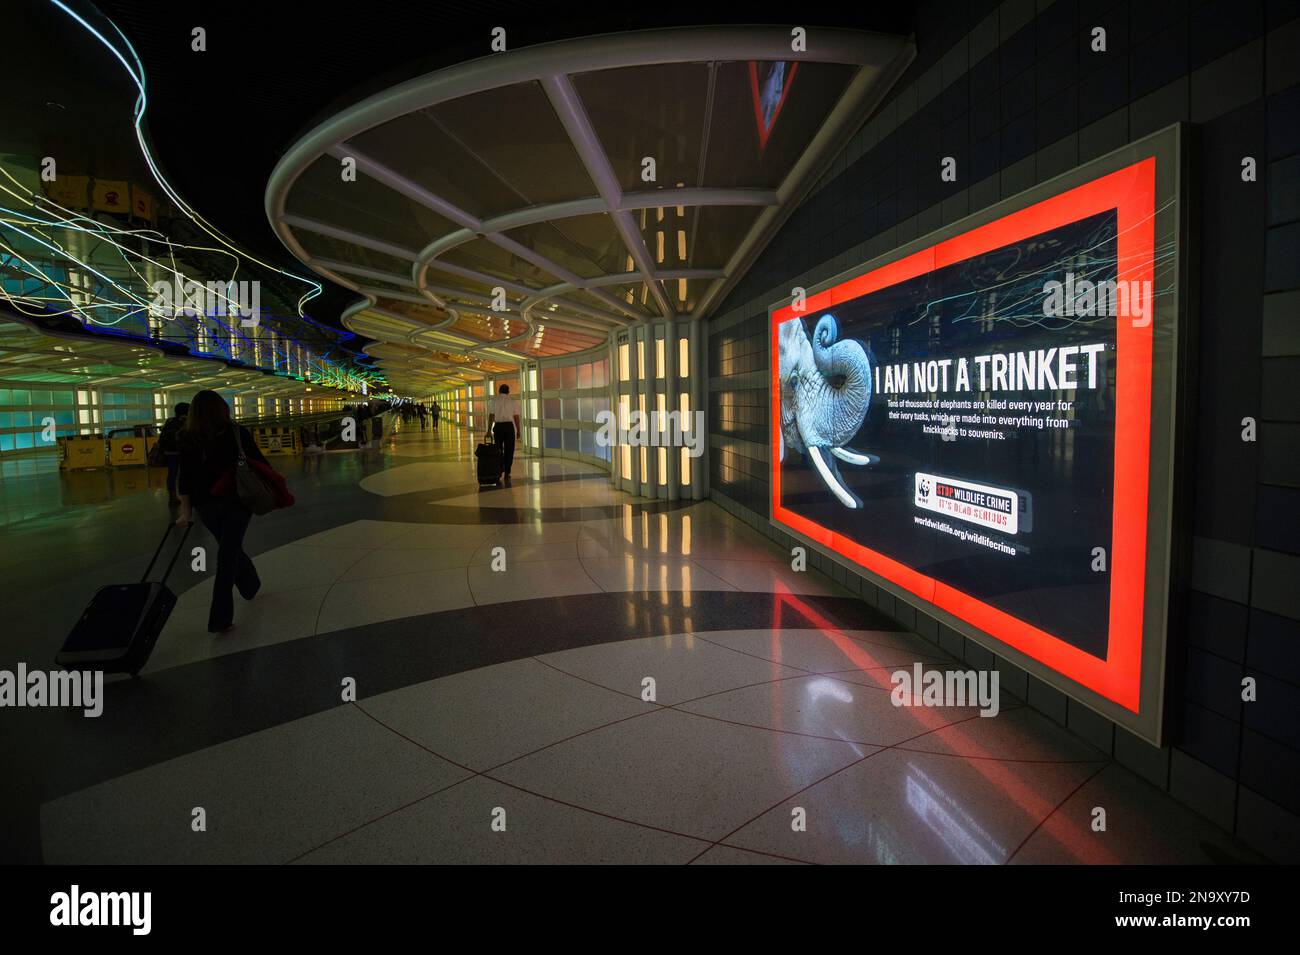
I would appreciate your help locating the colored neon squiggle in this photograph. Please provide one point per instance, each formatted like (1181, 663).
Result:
(45, 214)
(141, 107)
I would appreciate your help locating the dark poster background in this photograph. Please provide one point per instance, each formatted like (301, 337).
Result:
(992, 303)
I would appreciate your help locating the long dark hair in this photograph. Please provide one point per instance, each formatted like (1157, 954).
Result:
(209, 416)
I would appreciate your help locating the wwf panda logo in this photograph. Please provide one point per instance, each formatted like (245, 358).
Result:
(925, 490)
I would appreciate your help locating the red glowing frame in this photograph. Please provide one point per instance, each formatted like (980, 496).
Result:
(765, 130)
(1131, 192)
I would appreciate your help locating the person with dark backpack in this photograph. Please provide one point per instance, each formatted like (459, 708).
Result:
(170, 451)
(211, 447)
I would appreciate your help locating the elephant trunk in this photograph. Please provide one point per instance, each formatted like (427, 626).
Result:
(845, 374)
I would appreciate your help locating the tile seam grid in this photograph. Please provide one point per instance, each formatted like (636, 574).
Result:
(577, 541)
(701, 635)
(657, 708)
(677, 707)
(801, 671)
(475, 774)
(746, 686)
(827, 777)
(334, 583)
(363, 558)
(1057, 809)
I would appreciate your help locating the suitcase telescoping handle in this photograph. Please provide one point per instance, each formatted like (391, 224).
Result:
(179, 546)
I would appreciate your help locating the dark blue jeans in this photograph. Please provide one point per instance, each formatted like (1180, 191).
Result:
(227, 520)
(173, 467)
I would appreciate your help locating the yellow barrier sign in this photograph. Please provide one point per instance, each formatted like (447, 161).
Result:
(81, 453)
(130, 451)
(278, 440)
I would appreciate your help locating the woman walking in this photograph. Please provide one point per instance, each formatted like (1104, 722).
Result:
(210, 445)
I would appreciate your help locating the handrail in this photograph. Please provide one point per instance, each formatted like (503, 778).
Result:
(290, 420)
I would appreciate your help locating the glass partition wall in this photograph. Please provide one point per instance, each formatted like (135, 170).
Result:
(633, 406)
(564, 407)
(657, 400)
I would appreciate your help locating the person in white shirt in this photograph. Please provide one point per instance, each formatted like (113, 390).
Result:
(503, 423)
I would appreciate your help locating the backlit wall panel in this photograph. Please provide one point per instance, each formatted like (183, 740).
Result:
(985, 421)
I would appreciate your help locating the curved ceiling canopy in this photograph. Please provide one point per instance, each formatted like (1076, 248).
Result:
(526, 203)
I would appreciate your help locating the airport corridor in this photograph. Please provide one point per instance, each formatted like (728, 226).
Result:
(550, 672)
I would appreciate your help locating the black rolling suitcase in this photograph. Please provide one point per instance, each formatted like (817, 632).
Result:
(489, 463)
(118, 631)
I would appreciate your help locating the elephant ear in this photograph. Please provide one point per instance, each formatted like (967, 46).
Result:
(790, 430)
(795, 361)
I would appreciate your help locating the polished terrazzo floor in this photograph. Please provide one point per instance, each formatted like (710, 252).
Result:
(500, 713)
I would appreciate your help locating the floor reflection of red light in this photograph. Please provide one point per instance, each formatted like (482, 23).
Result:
(1073, 838)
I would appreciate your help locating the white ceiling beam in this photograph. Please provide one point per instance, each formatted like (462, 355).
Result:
(864, 93)
(693, 196)
(627, 49)
(880, 58)
(573, 116)
(482, 278)
(362, 271)
(347, 235)
(407, 187)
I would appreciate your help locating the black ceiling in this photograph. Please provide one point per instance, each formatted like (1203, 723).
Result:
(220, 120)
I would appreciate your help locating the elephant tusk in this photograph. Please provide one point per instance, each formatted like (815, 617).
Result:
(853, 457)
(838, 489)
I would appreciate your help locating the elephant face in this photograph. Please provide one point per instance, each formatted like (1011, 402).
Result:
(825, 385)
(825, 391)
(795, 365)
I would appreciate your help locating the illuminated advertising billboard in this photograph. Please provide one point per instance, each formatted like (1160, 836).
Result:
(984, 420)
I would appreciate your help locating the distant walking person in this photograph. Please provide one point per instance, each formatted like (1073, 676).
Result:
(434, 412)
(424, 415)
(209, 450)
(362, 416)
(503, 423)
(170, 451)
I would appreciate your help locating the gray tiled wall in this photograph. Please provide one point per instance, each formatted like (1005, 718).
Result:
(1015, 94)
